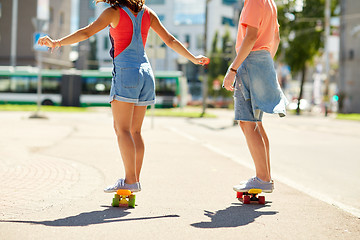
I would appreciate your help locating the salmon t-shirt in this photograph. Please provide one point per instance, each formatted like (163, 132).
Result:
(261, 14)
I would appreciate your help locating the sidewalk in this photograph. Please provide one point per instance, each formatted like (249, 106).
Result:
(52, 173)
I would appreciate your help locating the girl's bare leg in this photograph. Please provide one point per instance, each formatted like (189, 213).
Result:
(137, 120)
(123, 116)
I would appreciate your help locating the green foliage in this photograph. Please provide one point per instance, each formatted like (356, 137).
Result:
(301, 31)
(352, 116)
(220, 60)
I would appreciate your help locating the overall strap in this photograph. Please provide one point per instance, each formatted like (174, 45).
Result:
(136, 20)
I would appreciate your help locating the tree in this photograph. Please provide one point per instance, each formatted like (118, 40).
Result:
(302, 31)
(220, 60)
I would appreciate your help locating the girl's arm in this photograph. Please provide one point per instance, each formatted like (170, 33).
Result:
(106, 18)
(245, 49)
(172, 42)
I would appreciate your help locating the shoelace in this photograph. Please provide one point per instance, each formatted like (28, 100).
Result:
(120, 182)
(250, 180)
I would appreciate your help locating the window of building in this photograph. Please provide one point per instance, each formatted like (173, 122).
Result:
(106, 43)
(200, 41)
(229, 2)
(51, 17)
(228, 21)
(189, 12)
(187, 40)
(161, 17)
(155, 2)
(62, 18)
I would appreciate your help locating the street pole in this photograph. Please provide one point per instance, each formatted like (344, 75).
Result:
(327, 56)
(205, 77)
(39, 26)
(14, 33)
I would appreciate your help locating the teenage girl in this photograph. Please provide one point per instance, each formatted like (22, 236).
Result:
(253, 78)
(133, 85)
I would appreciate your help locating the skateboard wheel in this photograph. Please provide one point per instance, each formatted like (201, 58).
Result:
(261, 199)
(239, 195)
(132, 201)
(115, 202)
(246, 199)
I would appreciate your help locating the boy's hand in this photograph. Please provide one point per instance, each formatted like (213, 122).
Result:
(229, 79)
(201, 60)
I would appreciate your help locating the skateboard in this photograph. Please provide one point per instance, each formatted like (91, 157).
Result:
(124, 198)
(251, 196)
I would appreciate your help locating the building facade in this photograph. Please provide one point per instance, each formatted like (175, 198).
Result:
(58, 26)
(349, 81)
(185, 20)
(86, 48)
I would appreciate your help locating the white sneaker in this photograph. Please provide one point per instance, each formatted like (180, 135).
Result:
(120, 184)
(255, 182)
(245, 181)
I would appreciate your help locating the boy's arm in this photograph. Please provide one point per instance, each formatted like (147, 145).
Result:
(246, 46)
(245, 49)
(84, 33)
(172, 42)
(276, 44)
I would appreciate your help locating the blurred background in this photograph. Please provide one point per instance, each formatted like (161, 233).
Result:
(317, 62)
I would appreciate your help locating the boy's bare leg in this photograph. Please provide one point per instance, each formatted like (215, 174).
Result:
(267, 145)
(258, 148)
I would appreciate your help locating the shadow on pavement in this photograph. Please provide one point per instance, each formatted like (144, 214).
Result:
(234, 216)
(108, 215)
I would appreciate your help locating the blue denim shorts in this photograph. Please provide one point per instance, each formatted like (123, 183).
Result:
(133, 84)
(257, 88)
(243, 108)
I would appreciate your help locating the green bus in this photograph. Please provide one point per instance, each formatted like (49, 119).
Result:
(19, 86)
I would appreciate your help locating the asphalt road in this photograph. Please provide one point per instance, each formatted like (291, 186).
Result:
(314, 154)
(52, 173)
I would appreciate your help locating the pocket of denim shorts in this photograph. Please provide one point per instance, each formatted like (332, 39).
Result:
(130, 77)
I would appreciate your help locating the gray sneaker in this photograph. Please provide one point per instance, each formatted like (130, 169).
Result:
(120, 184)
(255, 182)
(245, 181)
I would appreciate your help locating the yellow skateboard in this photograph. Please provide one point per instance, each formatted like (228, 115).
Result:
(124, 198)
(251, 196)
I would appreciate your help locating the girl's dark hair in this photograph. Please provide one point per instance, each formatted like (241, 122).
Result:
(135, 5)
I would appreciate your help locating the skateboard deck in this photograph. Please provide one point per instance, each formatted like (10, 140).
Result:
(124, 198)
(251, 196)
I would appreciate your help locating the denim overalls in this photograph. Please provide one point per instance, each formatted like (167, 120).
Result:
(133, 79)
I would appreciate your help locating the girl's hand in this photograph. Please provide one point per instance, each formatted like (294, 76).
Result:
(201, 60)
(229, 79)
(48, 42)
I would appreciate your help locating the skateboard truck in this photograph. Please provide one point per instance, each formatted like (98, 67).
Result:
(251, 196)
(124, 198)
